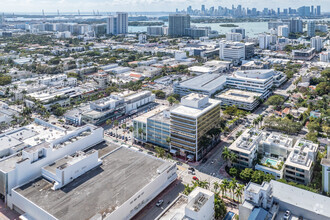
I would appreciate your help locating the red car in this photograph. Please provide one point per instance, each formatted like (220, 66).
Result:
(195, 178)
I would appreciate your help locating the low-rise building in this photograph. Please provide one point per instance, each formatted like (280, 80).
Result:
(241, 99)
(29, 148)
(299, 165)
(245, 147)
(259, 81)
(211, 67)
(206, 84)
(304, 54)
(111, 179)
(199, 204)
(271, 201)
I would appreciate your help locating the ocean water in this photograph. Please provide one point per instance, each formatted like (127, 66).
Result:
(252, 29)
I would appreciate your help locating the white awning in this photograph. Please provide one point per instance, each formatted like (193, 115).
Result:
(172, 151)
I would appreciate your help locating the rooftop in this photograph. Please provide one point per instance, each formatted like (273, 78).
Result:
(100, 190)
(195, 112)
(204, 82)
(247, 141)
(306, 200)
(158, 110)
(239, 95)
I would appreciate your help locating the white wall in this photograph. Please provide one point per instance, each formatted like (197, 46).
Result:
(147, 194)
(26, 170)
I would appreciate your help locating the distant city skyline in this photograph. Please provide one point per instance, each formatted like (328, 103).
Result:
(35, 6)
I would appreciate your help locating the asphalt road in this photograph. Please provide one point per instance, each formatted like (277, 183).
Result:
(151, 211)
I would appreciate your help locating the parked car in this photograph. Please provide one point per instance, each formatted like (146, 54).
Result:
(195, 178)
(159, 203)
(191, 168)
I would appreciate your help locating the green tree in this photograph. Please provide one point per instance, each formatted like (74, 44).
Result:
(233, 171)
(220, 209)
(171, 100)
(275, 100)
(246, 174)
(108, 122)
(116, 123)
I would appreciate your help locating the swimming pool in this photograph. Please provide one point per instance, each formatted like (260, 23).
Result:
(271, 161)
(229, 216)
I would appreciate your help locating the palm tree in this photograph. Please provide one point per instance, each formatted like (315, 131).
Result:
(232, 158)
(239, 191)
(222, 188)
(225, 183)
(232, 186)
(226, 154)
(216, 186)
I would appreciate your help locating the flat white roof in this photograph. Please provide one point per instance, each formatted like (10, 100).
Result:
(195, 112)
(239, 95)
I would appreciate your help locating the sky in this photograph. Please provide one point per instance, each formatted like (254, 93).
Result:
(145, 5)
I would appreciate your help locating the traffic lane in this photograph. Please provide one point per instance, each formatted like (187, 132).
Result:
(151, 211)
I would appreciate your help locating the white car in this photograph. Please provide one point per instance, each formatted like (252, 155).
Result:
(159, 203)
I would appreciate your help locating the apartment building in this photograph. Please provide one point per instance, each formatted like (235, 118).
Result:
(190, 121)
(245, 147)
(275, 149)
(299, 165)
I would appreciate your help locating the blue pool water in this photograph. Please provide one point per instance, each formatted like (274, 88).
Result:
(229, 216)
(271, 161)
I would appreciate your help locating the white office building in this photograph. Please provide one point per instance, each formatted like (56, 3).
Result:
(241, 99)
(256, 80)
(232, 51)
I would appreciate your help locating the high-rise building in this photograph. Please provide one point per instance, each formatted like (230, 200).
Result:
(117, 24)
(190, 121)
(318, 10)
(311, 28)
(155, 31)
(317, 43)
(240, 31)
(312, 10)
(304, 11)
(296, 25)
(203, 9)
(177, 25)
(264, 41)
(234, 37)
(122, 21)
(283, 31)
